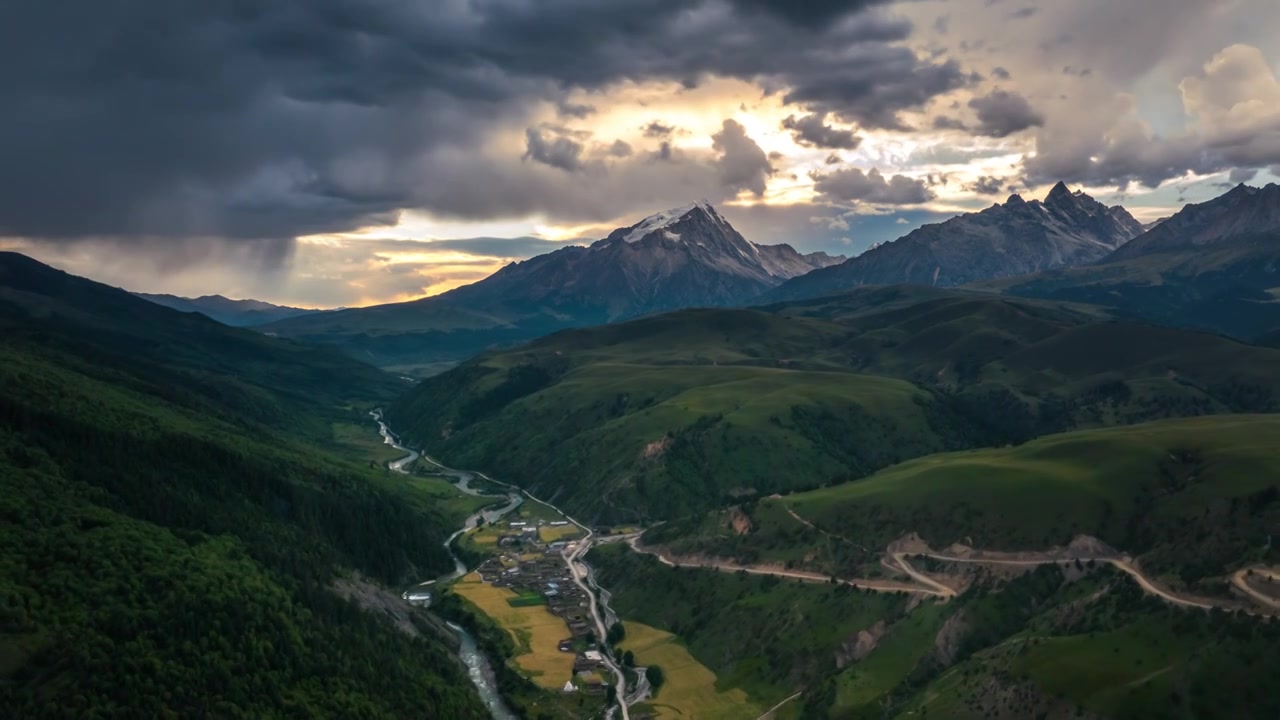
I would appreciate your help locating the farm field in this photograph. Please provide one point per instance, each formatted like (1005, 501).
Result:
(550, 534)
(689, 690)
(536, 632)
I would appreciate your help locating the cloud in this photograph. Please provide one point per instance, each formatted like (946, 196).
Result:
(620, 149)
(293, 118)
(987, 185)
(1233, 102)
(656, 129)
(520, 248)
(1002, 113)
(1000, 73)
(742, 164)
(833, 159)
(555, 148)
(812, 131)
(852, 185)
(1236, 101)
(574, 110)
(1242, 175)
(811, 13)
(944, 122)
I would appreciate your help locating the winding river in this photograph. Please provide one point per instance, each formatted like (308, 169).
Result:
(583, 575)
(478, 666)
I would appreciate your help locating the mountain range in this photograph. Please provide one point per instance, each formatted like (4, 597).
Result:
(236, 313)
(1209, 266)
(1018, 237)
(1213, 265)
(684, 257)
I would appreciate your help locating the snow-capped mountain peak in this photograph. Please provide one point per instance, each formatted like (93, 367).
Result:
(664, 220)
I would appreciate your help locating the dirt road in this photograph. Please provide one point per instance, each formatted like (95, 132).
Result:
(931, 588)
(1240, 579)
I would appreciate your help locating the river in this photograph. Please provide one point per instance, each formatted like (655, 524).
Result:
(478, 667)
(582, 573)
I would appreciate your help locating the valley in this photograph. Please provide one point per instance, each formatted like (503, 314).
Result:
(910, 498)
(640, 360)
(543, 560)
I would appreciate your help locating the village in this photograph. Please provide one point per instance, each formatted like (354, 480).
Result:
(527, 562)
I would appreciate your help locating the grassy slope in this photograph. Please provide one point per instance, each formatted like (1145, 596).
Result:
(795, 629)
(1038, 643)
(683, 411)
(172, 521)
(1197, 495)
(1225, 288)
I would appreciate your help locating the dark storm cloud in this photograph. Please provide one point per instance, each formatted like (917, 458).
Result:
(271, 120)
(555, 148)
(813, 131)
(809, 13)
(742, 164)
(943, 122)
(873, 93)
(1002, 113)
(852, 185)
(1242, 175)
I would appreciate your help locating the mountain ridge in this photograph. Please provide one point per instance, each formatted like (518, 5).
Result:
(228, 311)
(1014, 238)
(1213, 265)
(689, 256)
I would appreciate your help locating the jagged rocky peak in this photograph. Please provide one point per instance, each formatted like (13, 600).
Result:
(1060, 195)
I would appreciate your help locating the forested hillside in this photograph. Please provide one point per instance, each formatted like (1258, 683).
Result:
(173, 527)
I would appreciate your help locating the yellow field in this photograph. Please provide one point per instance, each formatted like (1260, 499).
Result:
(690, 688)
(536, 631)
(551, 534)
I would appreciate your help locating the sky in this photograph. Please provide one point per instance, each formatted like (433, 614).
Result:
(353, 152)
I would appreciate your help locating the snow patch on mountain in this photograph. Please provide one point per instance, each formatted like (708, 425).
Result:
(662, 220)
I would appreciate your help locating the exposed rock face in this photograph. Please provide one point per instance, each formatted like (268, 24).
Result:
(738, 521)
(655, 449)
(860, 645)
(1015, 238)
(946, 645)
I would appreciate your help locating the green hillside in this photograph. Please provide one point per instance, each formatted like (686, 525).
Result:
(1051, 643)
(1193, 498)
(175, 531)
(1228, 288)
(674, 413)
